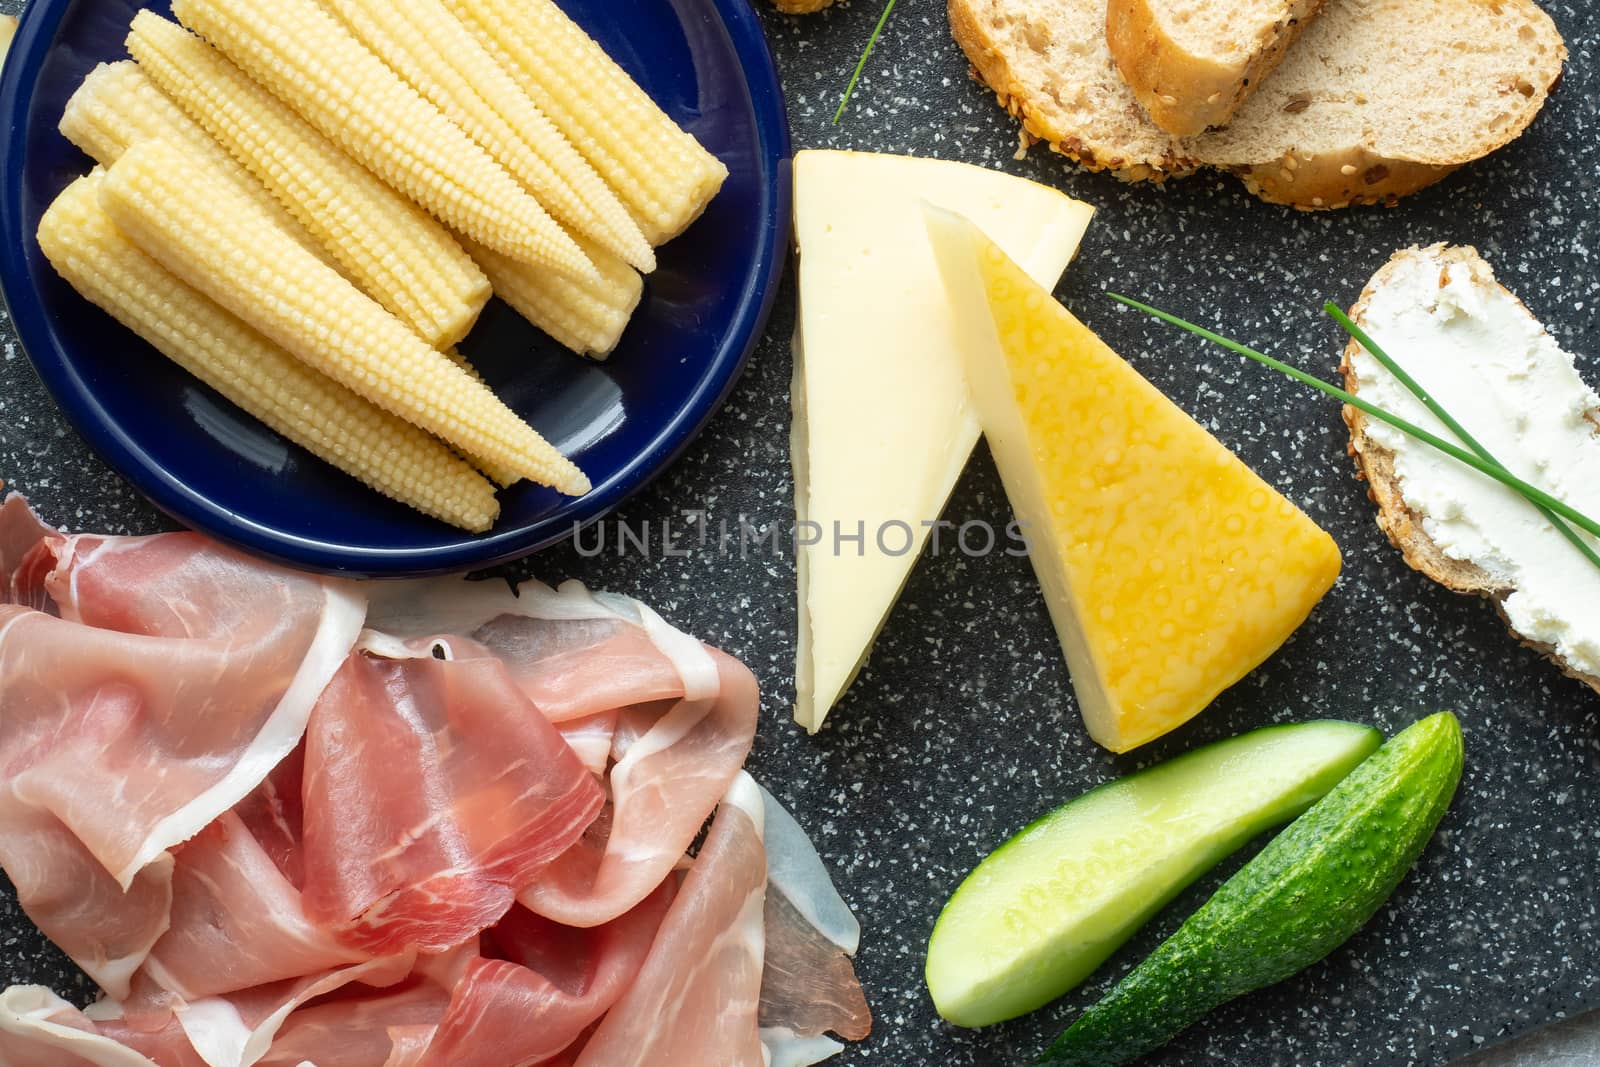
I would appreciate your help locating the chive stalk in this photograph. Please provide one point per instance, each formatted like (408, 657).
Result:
(1404, 377)
(861, 64)
(1493, 470)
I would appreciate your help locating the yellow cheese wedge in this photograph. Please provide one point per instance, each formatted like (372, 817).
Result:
(1170, 568)
(883, 425)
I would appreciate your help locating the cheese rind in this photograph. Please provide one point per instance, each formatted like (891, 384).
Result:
(883, 425)
(1171, 570)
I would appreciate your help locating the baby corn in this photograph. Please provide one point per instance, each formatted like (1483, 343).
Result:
(305, 57)
(661, 173)
(117, 106)
(393, 250)
(385, 452)
(587, 317)
(217, 242)
(425, 44)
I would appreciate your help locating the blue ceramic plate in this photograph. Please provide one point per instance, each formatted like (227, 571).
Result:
(217, 470)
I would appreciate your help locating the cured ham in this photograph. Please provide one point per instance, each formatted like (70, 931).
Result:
(808, 986)
(294, 822)
(696, 996)
(685, 719)
(180, 699)
(39, 1029)
(552, 983)
(478, 793)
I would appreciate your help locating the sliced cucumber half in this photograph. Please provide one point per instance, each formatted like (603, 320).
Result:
(1051, 904)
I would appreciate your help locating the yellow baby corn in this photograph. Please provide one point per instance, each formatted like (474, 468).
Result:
(305, 57)
(587, 317)
(425, 44)
(394, 251)
(662, 173)
(219, 243)
(117, 105)
(385, 452)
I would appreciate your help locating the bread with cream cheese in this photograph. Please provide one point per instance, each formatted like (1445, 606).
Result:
(1400, 521)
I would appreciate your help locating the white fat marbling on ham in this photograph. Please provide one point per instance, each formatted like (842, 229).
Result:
(796, 871)
(39, 1029)
(808, 985)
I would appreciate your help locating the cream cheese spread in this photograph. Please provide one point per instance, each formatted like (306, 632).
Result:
(1495, 369)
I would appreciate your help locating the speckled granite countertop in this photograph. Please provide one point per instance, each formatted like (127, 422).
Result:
(963, 727)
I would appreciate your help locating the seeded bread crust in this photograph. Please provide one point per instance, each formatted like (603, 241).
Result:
(1329, 181)
(1375, 464)
(1007, 49)
(1187, 93)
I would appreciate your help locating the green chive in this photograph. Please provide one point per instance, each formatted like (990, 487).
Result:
(1492, 470)
(861, 65)
(1428, 401)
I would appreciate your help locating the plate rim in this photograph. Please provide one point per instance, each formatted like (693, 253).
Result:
(78, 406)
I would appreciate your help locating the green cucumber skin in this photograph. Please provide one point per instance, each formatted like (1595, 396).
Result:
(1309, 891)
(1354, 743)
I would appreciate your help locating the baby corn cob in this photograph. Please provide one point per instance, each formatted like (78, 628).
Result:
(304, 56)
(662, 173)
(219, 243)
(117, 106)
(425, 44)
(385, 452)
(587, 317)
(394, 251)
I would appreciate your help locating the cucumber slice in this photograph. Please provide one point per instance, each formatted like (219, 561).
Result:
(1306, 894)
(1047, 907)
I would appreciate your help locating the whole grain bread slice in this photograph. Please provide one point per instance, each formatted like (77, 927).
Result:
(1049, 66)
(1382, 97)
(1192, 63)
(1377, 99)
(1397, 518)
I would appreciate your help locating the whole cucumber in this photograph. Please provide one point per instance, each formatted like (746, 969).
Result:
(1303, 896)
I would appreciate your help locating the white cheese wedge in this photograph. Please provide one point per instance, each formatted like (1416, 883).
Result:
(883, 424)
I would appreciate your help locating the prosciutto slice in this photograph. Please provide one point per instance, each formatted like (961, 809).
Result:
(433, 793)
(464, 838)
(808, 986)
(236, 921)
(20, 531)
(696, 996)
(140, 715)
(551, 985)
(39, 1029)
(685, 719)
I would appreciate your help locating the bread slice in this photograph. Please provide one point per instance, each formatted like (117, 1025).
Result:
(1192, 63)
(1049, 66)
(1401, 521)
(1383, 97)
(1378, 99)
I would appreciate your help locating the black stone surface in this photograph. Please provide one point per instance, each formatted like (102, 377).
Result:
(963, 727)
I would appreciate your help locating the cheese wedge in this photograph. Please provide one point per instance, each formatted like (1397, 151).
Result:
(882, 422)
(1170, 568)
